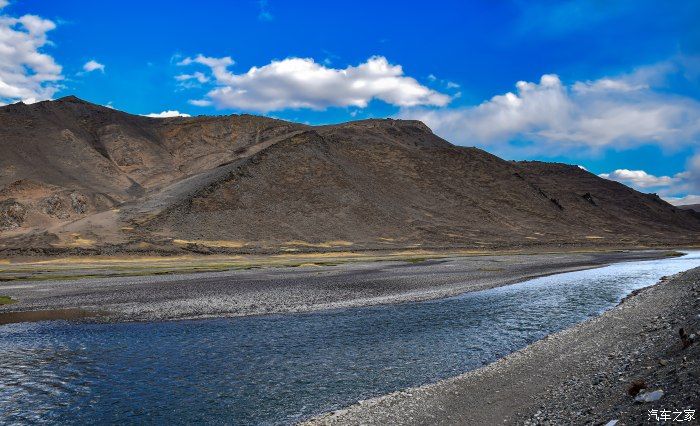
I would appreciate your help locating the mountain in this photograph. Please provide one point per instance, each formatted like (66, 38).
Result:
(82, 177)
(693, 207)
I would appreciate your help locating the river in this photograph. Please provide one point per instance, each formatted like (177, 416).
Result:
(279, 369)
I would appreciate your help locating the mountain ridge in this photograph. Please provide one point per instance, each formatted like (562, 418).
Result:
(694, 207)
(79, 176)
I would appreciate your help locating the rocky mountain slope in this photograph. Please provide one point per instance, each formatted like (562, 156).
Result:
(78, 176)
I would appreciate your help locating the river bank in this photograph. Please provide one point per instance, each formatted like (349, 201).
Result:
(304, 288)
(582, 375)
(283, 369)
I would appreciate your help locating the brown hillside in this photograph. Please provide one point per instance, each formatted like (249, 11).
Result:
(77, 175)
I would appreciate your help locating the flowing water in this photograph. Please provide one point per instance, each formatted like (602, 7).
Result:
(283, 368)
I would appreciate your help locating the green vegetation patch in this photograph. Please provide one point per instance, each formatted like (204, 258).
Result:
(6, 300)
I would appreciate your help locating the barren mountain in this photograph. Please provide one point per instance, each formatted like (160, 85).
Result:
(694, 207)
(78, 176)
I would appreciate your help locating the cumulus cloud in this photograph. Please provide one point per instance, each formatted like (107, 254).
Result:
(218, 66)
(681, 188)
(639, 178)
(617, 112)
(26, 73)
(93, 65)
(607, 85)
(303, 83)
(167, 114)
(642, 78)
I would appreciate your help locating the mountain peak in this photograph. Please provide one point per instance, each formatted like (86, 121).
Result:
(72, 99)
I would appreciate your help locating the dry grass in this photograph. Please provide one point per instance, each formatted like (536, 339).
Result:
(94, 267)
(76, 241)
(326, 244)
(212, 243)
(82, 267)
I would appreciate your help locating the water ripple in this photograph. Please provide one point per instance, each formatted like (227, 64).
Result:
(279, 369)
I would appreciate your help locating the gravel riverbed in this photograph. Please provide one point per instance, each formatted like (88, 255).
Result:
(282, 290)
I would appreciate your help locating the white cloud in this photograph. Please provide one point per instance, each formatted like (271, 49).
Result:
(446, 83)
(681, 201)
(639, 178)
(303, 83)
(93, 65)
(199, 76)
(218, 66)
(618, 112)
(26, 73)
(642, 78)
(606, 85)
(199, 102)
(3, 3)
(167, 114)
(681, 188)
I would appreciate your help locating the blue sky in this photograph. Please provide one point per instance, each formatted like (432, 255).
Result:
(613, 86)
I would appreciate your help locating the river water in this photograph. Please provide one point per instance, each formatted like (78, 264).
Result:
(282, 368)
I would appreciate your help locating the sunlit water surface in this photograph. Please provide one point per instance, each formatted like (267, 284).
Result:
(283, 368)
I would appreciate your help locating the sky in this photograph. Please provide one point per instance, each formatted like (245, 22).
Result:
(612, 86)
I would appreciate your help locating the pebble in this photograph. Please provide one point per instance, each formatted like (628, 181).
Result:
(649, 396)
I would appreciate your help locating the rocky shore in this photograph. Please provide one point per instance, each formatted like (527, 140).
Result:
(617, 368)
(282, 290)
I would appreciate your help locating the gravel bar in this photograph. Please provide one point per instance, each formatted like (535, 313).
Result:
(283, 290)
